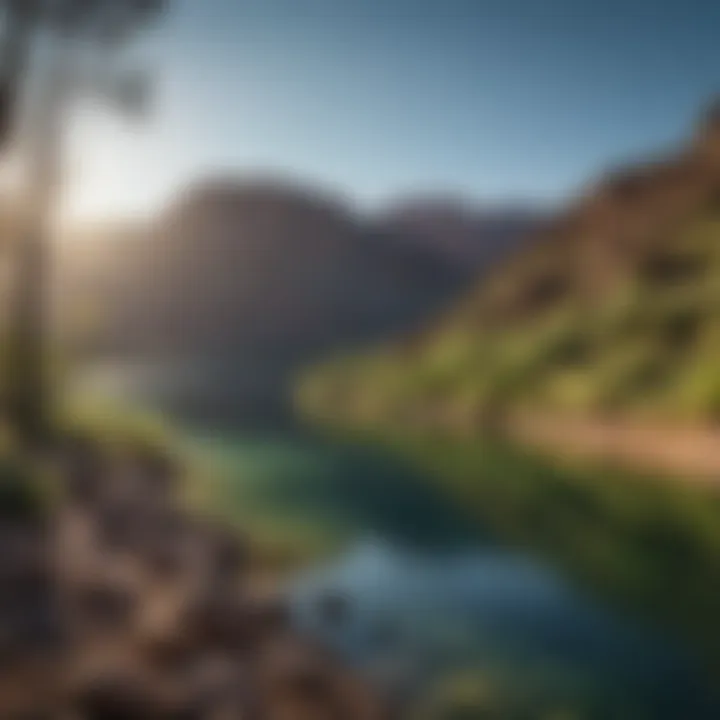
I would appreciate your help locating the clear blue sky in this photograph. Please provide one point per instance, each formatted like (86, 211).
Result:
(497, 99)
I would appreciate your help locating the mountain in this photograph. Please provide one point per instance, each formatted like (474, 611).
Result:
(470, 236)
(252, 280)
(612, 310)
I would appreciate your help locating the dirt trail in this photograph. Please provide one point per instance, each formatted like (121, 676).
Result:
(692, 454)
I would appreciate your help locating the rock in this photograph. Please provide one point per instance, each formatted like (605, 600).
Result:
(219, 623)
(218, 686)
(105, 605)
(227, 557)
(147, 476)
(118, 527)
(300, 681)
(83, 470)
(141, 612)
(118, 697)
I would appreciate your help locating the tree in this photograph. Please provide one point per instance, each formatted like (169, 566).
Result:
(70, 34)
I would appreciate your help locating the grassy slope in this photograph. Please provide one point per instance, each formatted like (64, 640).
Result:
(647, 348)
(642, 347)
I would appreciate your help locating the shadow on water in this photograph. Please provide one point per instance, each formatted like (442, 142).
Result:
(366, 492)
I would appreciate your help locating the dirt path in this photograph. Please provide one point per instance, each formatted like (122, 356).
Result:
(689, 453)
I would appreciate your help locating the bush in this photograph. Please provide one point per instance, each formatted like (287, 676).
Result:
(24, 496)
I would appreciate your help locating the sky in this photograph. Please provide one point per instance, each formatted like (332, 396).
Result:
(495, 100)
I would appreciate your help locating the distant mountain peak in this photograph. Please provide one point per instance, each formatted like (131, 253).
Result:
(220, 193)
(464, 231)
(268, 274)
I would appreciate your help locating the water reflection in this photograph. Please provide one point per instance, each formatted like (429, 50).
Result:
(412, 619)
(425, 599)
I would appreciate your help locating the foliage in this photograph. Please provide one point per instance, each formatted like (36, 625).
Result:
(648, 342)
(25, 494)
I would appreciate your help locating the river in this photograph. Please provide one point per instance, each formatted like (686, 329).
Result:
(406, 584)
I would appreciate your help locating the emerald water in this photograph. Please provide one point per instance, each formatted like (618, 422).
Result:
(408, 584)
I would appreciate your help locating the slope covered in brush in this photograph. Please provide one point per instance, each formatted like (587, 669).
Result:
(614, 310)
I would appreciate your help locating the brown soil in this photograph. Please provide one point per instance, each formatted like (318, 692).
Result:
(690, 453)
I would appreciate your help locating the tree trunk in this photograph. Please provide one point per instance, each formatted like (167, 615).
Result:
(28, 381)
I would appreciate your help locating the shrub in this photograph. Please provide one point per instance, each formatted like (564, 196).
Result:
(24, 495)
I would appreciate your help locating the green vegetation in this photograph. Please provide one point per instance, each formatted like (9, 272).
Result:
(646, 346)
(114, 425)
(28, 483)
(475, 695)
(301, 499)
(260, 489)
(25, 494)
(613, 315)
(621, 327)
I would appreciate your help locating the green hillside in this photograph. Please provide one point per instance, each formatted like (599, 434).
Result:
(613, 312)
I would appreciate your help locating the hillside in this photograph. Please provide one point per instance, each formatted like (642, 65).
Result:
(250, 281)
(612, 312)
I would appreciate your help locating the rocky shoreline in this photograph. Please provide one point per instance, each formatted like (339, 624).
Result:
(121, 604)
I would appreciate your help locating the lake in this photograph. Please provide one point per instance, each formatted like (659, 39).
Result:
(451, 617)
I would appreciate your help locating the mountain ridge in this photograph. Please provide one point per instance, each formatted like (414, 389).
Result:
(611, 310)
(270, 274)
